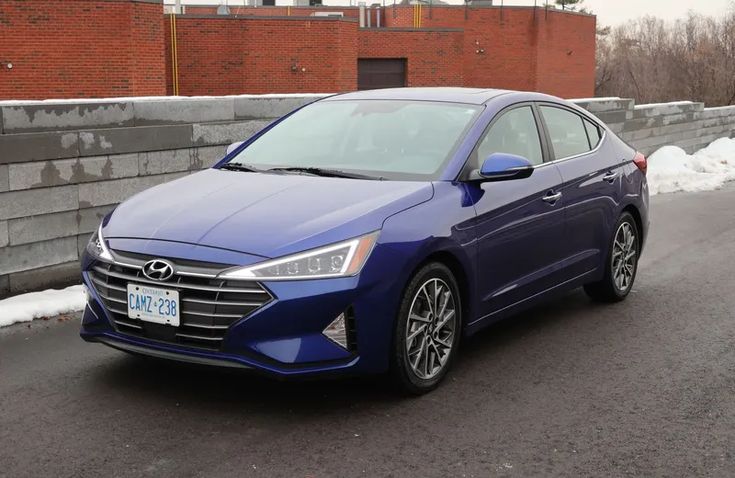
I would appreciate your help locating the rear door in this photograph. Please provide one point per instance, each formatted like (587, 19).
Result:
(520, 223)
(591, 187)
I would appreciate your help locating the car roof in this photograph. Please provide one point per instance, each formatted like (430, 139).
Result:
(475, 96)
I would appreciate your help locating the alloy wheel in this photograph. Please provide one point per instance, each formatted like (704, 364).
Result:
(432, 323)
(624, 256)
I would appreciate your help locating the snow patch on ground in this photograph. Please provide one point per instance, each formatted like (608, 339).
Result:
(47, 303)
(671, 169)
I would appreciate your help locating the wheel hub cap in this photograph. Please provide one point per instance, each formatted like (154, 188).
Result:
(624, 257)
(430, 329)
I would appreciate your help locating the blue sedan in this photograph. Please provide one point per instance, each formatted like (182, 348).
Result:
(369, 232)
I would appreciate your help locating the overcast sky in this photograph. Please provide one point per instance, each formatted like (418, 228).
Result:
(614, 12)
(609, 12)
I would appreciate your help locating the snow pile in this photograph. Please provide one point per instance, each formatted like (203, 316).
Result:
(48, 303)
(671, 169)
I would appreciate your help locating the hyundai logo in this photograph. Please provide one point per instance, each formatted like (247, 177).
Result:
(158, 269)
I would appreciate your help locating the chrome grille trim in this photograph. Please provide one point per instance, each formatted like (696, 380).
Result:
(112, 299)
(208, 305)
(135, 278)
(108, 286)
(196, 274)
(213, 327)
(119, 322)
(137, 261)
(117, 311)
(221, 302)
(226, 316)
(196, 337)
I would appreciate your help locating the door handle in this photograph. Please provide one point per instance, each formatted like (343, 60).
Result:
(551, 197)
(610, 177)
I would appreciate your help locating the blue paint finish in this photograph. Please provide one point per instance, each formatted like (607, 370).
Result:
(503, 166)
(511, 248)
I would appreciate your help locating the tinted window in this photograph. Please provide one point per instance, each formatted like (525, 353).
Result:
(593, 132)
(567, 132)
(515, 133)
(392, 139)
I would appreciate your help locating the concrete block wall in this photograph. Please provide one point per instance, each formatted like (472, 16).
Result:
(686, 124)
(64, 165)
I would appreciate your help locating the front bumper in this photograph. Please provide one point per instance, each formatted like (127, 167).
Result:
(283, 337)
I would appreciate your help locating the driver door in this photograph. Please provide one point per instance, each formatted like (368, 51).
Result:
(520, 222)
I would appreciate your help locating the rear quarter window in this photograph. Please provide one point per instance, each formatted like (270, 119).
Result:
(593, 133)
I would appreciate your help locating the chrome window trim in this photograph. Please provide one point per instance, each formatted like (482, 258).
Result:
(467, 168)
(567, 158)
(583, 117)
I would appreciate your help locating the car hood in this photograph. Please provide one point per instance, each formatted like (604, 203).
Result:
(269, 215)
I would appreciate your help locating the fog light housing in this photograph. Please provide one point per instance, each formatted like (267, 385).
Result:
(337, 331)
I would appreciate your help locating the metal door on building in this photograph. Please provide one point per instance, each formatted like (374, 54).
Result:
(375, 73)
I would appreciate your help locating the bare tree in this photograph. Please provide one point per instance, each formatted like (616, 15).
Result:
(654, 61)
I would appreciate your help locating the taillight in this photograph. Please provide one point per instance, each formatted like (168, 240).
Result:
(641, 162)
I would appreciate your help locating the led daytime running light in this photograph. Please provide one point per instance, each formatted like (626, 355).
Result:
(342, 259)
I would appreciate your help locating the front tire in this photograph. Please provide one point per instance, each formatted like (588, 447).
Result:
(428, 328)
(621, 264)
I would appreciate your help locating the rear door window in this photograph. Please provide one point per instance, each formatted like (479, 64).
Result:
(568, 132)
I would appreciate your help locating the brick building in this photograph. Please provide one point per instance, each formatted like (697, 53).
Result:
(99, 48)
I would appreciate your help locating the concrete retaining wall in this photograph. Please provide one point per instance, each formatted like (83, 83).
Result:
(688, 125)
(64, 165)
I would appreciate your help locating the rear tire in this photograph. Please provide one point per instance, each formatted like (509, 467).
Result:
(427, 332)
(621, 264)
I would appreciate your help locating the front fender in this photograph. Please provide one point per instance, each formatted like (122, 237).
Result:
(443, 225)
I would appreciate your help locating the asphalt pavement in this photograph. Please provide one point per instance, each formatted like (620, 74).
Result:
(641, 388)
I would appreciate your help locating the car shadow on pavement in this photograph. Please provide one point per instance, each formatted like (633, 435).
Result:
(556, 313)
(225, 389)
(210, 387)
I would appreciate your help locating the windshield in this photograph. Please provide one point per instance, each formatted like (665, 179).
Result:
(378, 138)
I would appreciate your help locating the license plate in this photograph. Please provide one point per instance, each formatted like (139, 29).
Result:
(153, 304)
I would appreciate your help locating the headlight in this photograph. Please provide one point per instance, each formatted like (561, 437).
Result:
(338, 260)
(97, 247)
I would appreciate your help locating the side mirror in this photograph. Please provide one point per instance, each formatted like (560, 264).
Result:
(233, 147)
(503, 167)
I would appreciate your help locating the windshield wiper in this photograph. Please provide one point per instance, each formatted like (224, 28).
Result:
(329, 173)
(240, 167)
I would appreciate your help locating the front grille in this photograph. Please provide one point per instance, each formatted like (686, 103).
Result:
(208, 305)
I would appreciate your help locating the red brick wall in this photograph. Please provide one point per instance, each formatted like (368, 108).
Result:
(524, 48)
(80, 48)
(228, 55)
(566, 55)
(96, 48)
(433, 57)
